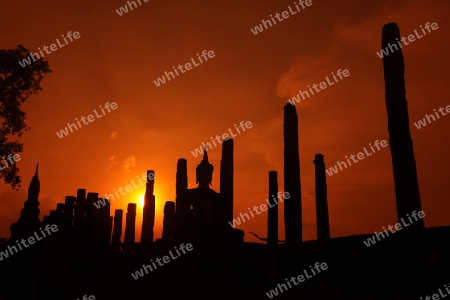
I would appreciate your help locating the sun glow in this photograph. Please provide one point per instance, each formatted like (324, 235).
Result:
(141, 201)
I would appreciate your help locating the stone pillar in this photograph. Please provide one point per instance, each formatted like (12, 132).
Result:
(91, 224)
(130, 225)
(182, 207)
(58, 216)
(80, 207)
(102, 223)
(169, 221)
(148, 218)
(53, 217)
(117, 231)
(272, 223)
(69, 210)
(403, 160)
(46, 220)
(96, 223)
(60, 207)
(90, 208)
(110, 226)
(226, 179)
(293, 205)
(183, 211)
(323, 225)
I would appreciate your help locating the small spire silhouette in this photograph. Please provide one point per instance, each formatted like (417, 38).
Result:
(35, 180)
(205, 154)
(35, 184)
(37, 169)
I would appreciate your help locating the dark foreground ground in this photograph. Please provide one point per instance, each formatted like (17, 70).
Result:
(397, 267)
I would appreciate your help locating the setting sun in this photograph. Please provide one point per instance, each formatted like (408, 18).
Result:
(141, 201)
(159, 204)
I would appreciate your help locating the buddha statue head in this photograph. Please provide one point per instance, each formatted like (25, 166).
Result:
(204, 171)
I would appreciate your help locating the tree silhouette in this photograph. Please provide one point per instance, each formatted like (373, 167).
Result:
(17, 84)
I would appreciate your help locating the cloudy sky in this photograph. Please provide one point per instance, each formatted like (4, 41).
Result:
(250, 78)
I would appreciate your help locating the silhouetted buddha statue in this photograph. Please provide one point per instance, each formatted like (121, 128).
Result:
(206, 204)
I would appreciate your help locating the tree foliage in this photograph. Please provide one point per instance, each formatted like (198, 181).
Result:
(17, 84)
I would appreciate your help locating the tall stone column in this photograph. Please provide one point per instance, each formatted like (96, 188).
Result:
(117, 231)
(272, 223)
(403, 160)
(183, 212)
(69, 210)
(103, 224)
(60, 207)
(130, 224)
(226, 179)
(182, 206)
(110, 227)
(322, 220)
(148, 219)
(169, 221)
(96, 222)
(80, 208)
(293, 205)
(60, 221)
(91, 211)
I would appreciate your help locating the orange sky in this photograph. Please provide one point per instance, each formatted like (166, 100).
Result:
(250, 78)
